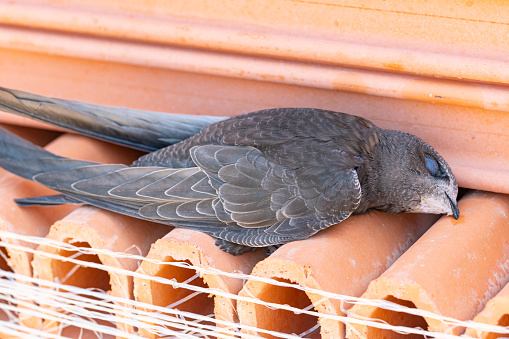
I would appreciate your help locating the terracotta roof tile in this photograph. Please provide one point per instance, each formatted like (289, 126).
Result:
(198, 250)
(97, 229)
(496, 312)
(452, 270)
(342, 259)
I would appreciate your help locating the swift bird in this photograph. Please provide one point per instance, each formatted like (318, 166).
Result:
(256, 180)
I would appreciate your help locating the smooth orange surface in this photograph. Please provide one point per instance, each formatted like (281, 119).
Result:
(292, 72)
(393, 35)
(452, 270)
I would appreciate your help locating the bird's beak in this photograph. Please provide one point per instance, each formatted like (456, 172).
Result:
(454, 207)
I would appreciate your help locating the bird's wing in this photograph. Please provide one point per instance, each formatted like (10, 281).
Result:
(147, 131)
(269, 203)
(272, 130)
(282, 126)
(235, 193)
(269, 182)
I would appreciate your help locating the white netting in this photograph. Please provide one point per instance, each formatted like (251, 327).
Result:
(101, 313)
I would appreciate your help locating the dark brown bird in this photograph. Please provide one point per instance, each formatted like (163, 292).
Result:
(257, 180)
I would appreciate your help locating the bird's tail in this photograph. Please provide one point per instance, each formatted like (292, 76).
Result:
(27, 160)
(144, 130)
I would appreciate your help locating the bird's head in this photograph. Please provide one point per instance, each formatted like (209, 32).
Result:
(425, 182)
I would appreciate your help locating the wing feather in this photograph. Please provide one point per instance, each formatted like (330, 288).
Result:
(130, 189)
(103, 184)
(65, 179)
(157, 189)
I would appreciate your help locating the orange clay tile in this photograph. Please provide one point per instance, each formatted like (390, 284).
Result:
(36, 221)
(389, 35)
(389, 61)
(94, 228)
(197, 249)
(342, 259)
(496, 312)
(452, 270)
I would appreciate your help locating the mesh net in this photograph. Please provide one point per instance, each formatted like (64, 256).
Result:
(73, 309)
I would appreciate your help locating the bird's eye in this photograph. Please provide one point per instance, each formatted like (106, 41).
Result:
(433, 167)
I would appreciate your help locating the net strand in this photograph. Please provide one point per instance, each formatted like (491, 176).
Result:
(129, 310)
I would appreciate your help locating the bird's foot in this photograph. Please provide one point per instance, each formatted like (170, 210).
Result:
(271, 249)
(233, 248)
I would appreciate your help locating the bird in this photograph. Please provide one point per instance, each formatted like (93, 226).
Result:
(261, 179)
